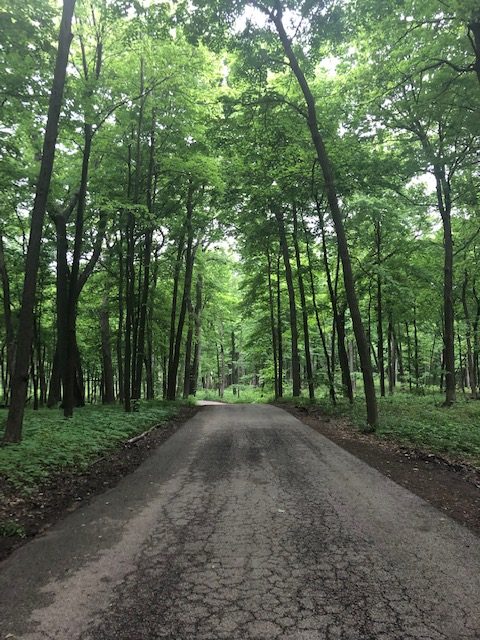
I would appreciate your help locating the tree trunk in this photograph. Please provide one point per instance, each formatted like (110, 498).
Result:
(13, 430)
(380, 345)
(472, 373)
(338, 325)
(7, 316)
(273, 328)
(330, 188)
(303, 301)
(279, 332)
(107, 365)
(331, 384)
(292, 305)
(189, 262)
(195, 369)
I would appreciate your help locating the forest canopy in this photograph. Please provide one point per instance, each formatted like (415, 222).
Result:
(209, 194)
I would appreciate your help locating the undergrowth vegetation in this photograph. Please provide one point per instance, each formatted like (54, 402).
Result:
(52, 443)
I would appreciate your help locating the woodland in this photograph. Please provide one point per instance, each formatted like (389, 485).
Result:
(240, 200)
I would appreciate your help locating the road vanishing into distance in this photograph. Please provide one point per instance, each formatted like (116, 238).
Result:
(247, 524)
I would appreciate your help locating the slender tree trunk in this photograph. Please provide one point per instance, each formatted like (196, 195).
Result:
(13, 430)
(189, 263)
(188, 354)
(194, 371)
(107, 365)
(273, 327)
(292, 305)
(303, 301)
(338, 325)
(409, 356)
(416, 348)
(472, 374)
(121, 382)
(279, 332)
(7, 316)
(380, 343)
(331, 384)
(331, 192)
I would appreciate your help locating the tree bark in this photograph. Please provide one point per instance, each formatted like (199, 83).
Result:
(13, 430)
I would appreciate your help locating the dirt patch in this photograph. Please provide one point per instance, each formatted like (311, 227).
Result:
(449, 485)
(31, 514)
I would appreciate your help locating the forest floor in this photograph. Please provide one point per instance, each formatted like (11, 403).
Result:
(60, 465)
(416, 455)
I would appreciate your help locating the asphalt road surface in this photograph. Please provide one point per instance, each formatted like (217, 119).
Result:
(246, 524)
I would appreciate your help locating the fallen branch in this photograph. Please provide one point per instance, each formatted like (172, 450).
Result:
(141, 436)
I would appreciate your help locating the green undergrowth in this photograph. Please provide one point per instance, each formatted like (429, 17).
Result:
(243, 394)
(418, 421)
(51, 443)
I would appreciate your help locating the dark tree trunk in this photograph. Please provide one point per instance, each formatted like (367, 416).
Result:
(13, 430)
(338, 325)
(472, 373)
(303, 301)
(273, 328)
(409, 356)
(392, 356)
(188, 354)
(107, 365)
(195, 369)
(416, 348)
(189, 262)
(7, 316)
(121, 382)
(292, 305)
(279, 332)
(331, 192)
(331, 384)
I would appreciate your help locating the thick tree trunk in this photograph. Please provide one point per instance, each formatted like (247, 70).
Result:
(13, 430)
(292, 305)
(330, 189)
(303, 301)
(121, 382)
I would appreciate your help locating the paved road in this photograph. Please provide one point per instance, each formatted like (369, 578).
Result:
(246, 525)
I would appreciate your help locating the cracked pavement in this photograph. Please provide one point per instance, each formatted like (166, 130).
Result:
(247, 525)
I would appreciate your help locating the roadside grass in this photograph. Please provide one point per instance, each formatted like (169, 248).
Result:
(418, 421)
(51, 443)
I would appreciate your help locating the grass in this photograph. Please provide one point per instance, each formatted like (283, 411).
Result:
(51, 443)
